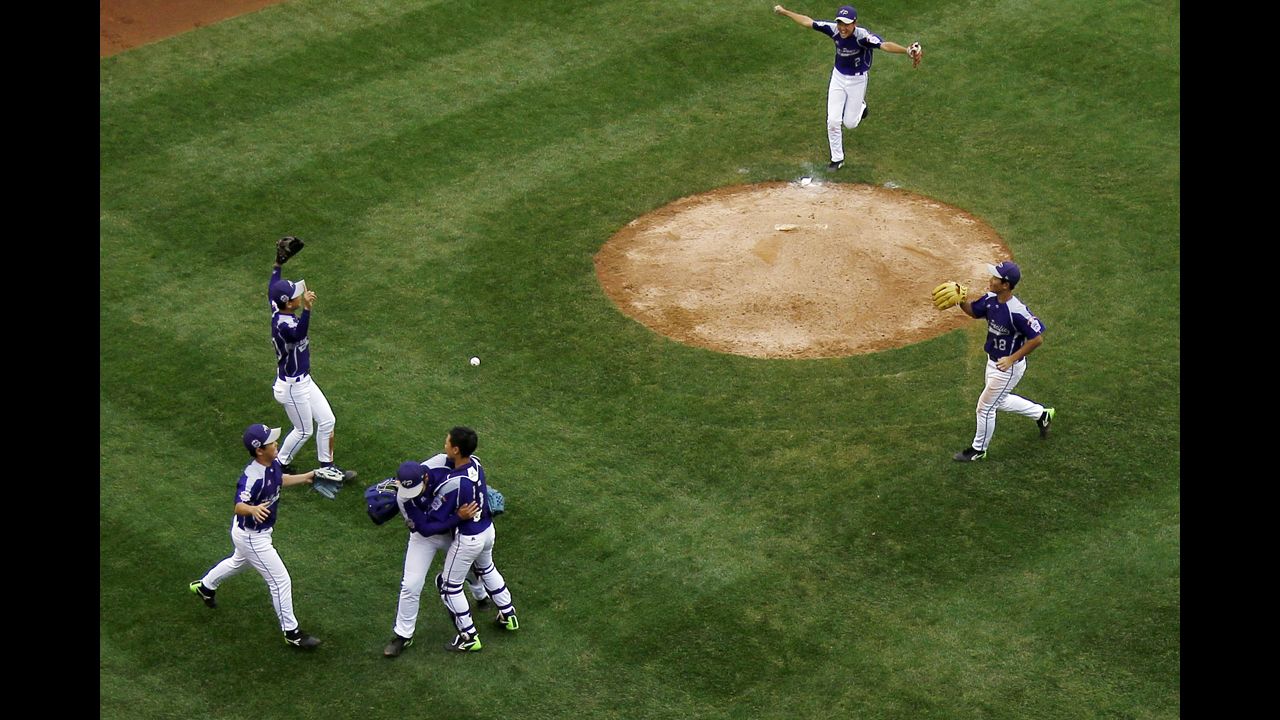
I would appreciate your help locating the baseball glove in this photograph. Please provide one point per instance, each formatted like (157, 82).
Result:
(287, 247)
(915, 52)
(380, 498)
(949, 293)
(327, 481)
(497, 503)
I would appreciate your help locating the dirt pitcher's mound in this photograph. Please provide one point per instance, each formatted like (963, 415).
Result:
(784, 270)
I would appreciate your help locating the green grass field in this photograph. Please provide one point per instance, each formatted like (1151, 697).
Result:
(690, 534)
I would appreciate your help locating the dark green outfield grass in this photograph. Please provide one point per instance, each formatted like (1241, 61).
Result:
(690, 534)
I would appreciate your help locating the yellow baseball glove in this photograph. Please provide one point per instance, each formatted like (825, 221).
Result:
(949, 293)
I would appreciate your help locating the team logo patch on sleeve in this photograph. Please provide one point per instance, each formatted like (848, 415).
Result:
(244, 496)
(1034, 323)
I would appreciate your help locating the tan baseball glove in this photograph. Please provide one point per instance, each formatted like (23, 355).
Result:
(949, 293)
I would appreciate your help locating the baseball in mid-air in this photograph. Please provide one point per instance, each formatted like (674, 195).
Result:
(475, 360)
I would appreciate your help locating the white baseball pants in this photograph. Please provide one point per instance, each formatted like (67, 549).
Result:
(998, 396)
(305, 404)
(465, 551)
(255, 548)
(845, 104)
(417, 559)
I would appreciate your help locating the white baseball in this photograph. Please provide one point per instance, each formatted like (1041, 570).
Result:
(475, 360)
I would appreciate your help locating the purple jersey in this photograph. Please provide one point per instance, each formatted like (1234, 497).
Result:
(289, 336)
(463, 485)
(1009, 325)
(259, 485)
(422, 517)
(853, 54)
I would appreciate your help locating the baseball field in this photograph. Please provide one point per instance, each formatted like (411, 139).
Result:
(690, 533)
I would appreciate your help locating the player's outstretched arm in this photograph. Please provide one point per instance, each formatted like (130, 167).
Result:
(289, 480)
(801, 20)
(893, 47)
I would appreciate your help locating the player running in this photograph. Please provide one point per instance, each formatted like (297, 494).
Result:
(1012, 333)
(848, 87)
(257, 499)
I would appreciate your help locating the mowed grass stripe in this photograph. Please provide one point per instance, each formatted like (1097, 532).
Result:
(273, 74)
(476, 71)
(239, 47)
(334, 188)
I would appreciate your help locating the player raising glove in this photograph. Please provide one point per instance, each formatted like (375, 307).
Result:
(327, 481)
(949, 293)
(287, 247)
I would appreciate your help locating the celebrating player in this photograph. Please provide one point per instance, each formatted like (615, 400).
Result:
(848, 88)
(1012, 333)
(303, 401)
(431, 527)
(257, 498)
(472, 542)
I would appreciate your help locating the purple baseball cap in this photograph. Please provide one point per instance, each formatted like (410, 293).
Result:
(846, 14)
(282, 291)
(411, 475)
(255, 436)
(1007, 271)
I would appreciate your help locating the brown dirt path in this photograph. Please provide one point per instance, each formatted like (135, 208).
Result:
(126, 24)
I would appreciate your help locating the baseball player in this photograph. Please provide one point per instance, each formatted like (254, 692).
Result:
(1012, 333)
(303, 401)
(430, 530)
(472, 542)
(848, 88)
(257, 499)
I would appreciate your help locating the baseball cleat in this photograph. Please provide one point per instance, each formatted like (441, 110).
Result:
(865, 111)
(205, 593)
(1046, 419)
(835, 164)
(297, 638)
(482, 603)
(969, 455)
(396, 646)
(507, 622)
(288, 469)
(464, 643)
